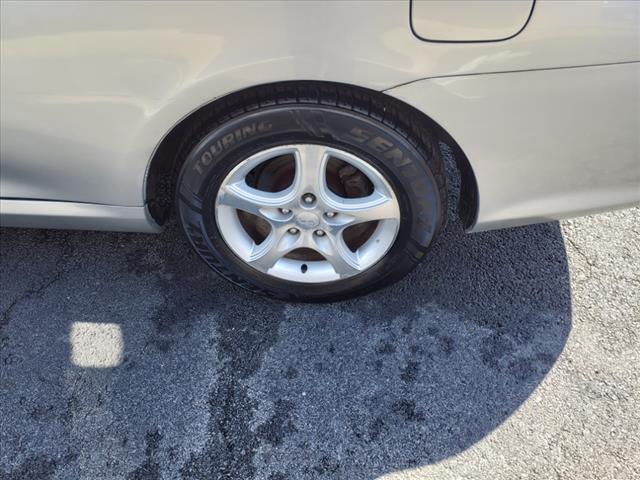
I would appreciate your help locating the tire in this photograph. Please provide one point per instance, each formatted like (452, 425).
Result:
(356, 125)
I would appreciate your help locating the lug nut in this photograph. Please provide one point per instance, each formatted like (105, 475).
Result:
(293, 231)
(319, 233)
(308, 198)
(331, 214)
(285, 211)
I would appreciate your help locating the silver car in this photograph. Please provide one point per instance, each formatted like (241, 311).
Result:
(299, 143)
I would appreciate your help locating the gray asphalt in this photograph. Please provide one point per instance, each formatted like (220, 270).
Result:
(509, 354)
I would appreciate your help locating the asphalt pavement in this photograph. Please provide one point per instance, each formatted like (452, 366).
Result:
(507, 354)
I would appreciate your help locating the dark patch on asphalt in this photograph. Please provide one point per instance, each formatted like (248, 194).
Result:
(446, 344)
(279, 425)
(410, 371)
(244, 336)
(41, 467)
(150, 469)
(386, 348)
(375, 429)
(291, 373)
(327, 466)
(278, 476)
(494, 348)
(407, 410)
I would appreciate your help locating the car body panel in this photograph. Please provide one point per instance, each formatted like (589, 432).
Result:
(90, 89)
(580, 126)
(71, 215)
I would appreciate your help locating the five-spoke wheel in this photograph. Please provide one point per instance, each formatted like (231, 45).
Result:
(307, 219)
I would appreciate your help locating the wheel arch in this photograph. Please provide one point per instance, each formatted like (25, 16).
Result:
(169, 154)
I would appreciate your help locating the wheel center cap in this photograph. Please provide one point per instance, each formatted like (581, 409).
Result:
(308, 220)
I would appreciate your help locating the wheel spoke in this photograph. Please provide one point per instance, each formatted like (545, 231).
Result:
(311, 164)
(277, 244)
(241, 196)
(376, 206)
(337, 253)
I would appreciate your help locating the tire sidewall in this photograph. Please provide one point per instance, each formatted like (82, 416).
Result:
(399, 161)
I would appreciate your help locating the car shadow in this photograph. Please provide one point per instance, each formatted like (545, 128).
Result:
(214, 382)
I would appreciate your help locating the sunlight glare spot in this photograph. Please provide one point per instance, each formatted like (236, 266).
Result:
(96, 345)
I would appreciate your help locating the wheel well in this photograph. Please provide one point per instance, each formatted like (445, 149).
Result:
(171, 152)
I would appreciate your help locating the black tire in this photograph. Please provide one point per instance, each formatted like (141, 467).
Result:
(363, 123)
